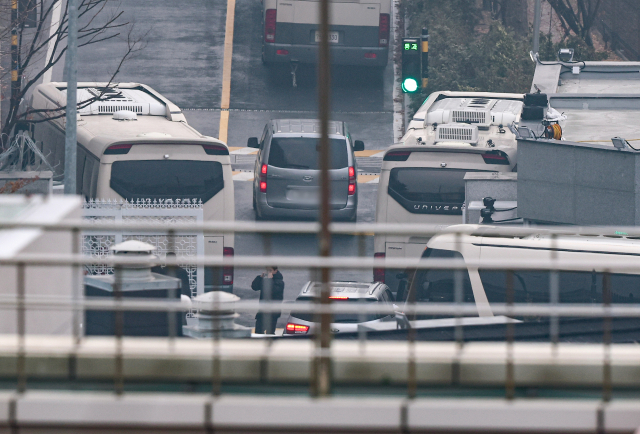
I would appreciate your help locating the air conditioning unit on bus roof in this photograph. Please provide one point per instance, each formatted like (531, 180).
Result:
(482, 112)
(457, 133)
(111, 100)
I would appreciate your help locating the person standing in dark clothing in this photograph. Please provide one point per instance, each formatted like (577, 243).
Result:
(271, 287)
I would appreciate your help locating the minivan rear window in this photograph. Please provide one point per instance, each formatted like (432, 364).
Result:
(423, 190)
(303, 153)
(167, 179)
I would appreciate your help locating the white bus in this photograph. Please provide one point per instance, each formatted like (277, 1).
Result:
(359, 32)
(135, 144)
(422, 178)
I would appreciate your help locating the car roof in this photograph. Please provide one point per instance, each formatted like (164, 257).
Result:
(352, 290)
(305, 126)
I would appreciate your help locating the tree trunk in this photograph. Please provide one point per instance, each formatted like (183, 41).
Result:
(515, 16)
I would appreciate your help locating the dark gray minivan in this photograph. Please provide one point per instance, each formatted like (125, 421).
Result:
(286, 180)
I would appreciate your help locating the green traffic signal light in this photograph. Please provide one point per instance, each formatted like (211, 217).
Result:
(411, 65)
(409, 85)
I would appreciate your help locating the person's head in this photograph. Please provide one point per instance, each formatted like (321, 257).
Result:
(272, 270)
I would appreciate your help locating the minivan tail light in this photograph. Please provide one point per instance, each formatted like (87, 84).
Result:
(383, 30)
(263, 179)
(352, 181)
(378, 273)
(292, 328)
(495, 157)
(118, 149)
(215, 149)
(397, 156)
(227, 271)
(270, 26)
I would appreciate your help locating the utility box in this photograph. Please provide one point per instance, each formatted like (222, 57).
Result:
(133, 281)
(502, 186)
(26, 182)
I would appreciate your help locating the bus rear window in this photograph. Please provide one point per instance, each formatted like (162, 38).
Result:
(428, 191)
(167, 179)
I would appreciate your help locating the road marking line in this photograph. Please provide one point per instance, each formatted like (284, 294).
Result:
(366, 179)
(55, 23)
(243, 176)
(242, 150)
(226, 71)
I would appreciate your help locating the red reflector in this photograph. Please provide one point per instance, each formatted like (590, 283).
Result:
(495, 157)
(227, 271)
(282, 52)
(296, 328)
(263, 187)
(383, 30)
(370, 55)
(215, 149)
(378, 273)
(338, 297)
(117, 149)
(264, 169)
(397, 156)
(270, 26)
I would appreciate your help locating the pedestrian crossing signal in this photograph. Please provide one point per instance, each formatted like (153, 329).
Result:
(411, 65)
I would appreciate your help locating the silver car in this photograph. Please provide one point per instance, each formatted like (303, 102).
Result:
(287, 170)
(300, 323)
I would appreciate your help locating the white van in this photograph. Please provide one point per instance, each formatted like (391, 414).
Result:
(422, 178)
(581, 280)
(135, 144)
(359, 32)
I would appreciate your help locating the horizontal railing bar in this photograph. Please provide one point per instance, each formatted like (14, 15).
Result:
(601, 264)
(518, 309)
(313, 228)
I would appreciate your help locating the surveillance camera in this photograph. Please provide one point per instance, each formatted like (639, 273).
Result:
(565, 55)
(488, 202)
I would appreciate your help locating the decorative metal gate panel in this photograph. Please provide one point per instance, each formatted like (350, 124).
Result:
(186, 245)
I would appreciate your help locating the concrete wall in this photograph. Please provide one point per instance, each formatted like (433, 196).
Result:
(50, 281)
(578, 183)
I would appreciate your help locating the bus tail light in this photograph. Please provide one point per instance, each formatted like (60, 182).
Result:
(397, 156)
(118, 149)
(495, 157)
(352, 181)
(383, 30)
(215, 149)
(378, 273)
(263, 179)
(338, 297)
(292, 329)
(270, 26)
(227, 271)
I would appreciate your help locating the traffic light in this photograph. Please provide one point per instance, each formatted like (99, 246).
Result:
(411, 61)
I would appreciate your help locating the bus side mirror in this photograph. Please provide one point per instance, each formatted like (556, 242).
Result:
(358, 145)
(253, 142)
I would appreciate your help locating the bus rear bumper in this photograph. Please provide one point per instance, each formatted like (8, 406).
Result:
(340, 55)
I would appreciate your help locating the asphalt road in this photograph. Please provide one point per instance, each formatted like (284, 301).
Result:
(183, 59)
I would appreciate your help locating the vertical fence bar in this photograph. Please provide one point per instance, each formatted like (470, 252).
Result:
(607, 385)
(216, 379)
(118, 373)
(554, 297)
(458, 330)
(323, 339)
(21, 318)
(71, 143)
(510, 384)
(173, 272)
